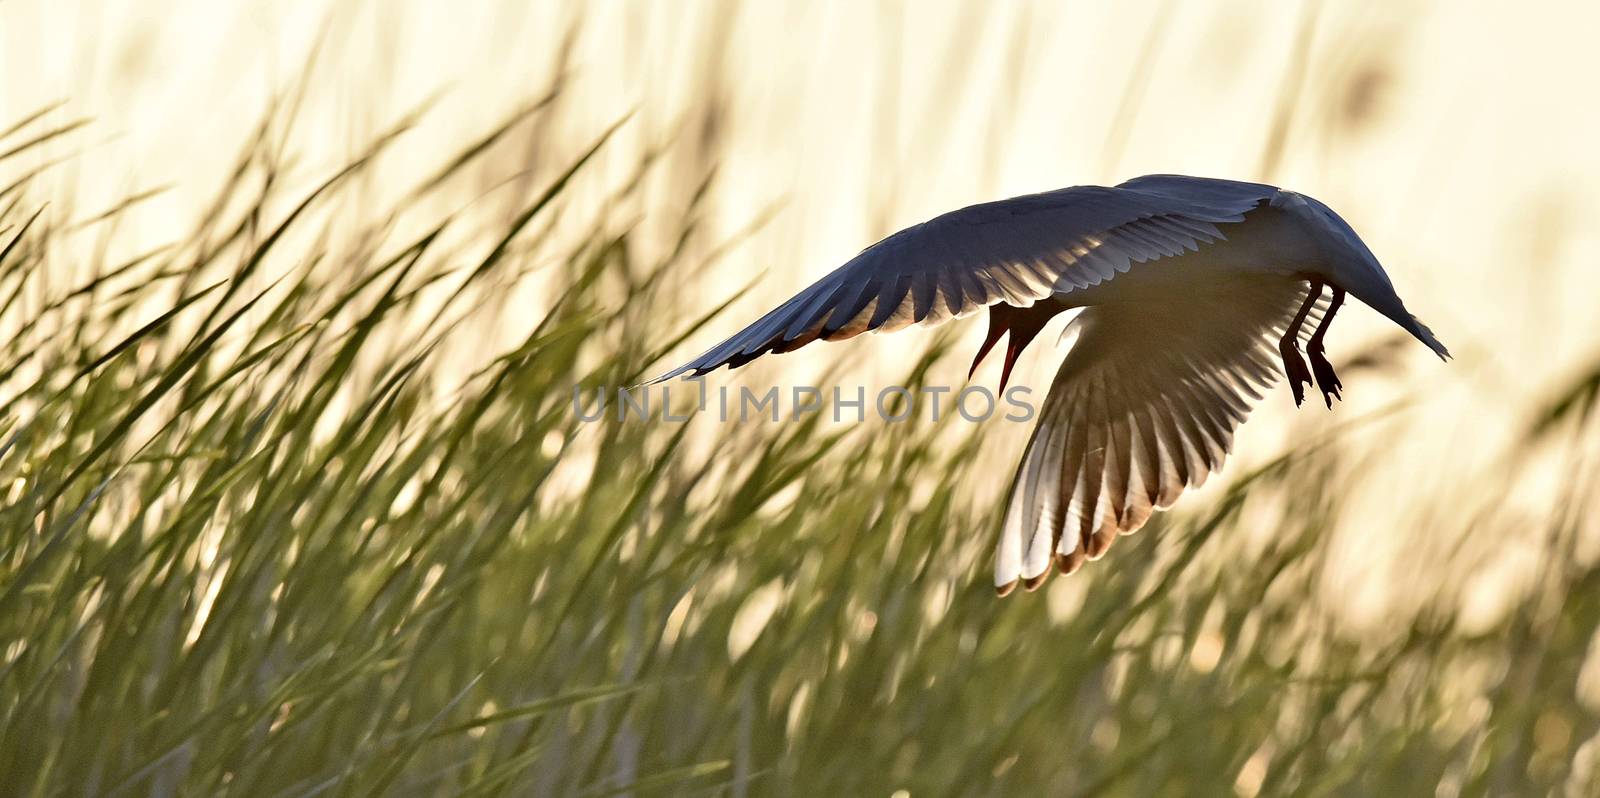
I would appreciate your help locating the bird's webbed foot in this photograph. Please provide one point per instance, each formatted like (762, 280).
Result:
(1294, 367)
(1327, 380)
(1289, 346)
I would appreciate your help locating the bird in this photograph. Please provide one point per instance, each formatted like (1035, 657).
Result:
(1189, 292)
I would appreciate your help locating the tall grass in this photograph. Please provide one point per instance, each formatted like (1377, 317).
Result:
(276, 524)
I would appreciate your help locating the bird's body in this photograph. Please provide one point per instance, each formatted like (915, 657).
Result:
(1186, 285)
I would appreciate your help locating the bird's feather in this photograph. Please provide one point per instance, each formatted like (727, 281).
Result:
(1143, 407)
(1016, 251)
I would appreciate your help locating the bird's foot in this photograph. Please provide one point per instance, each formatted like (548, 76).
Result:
(1327, 381)
(1294, 367)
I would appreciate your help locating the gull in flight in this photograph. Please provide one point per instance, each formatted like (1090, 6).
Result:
(1189, 288)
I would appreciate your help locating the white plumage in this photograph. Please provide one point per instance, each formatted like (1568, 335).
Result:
(1186, 284)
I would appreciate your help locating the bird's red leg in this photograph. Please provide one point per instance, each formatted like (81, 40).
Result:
(1294, 367)
(1327, 381)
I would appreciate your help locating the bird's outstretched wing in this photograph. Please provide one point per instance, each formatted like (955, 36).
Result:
(1144, 406)
(1016, 251)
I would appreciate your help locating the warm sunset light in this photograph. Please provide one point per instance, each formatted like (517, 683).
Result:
(424, 398)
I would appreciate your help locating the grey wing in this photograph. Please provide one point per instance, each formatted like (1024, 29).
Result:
(1143, 408)
(1016, 251)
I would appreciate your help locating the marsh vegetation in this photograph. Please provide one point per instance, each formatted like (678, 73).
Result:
(296, 504)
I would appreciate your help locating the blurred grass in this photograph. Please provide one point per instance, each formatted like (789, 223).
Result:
(262, 538)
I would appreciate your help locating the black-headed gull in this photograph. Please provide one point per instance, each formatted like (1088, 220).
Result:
(1188, 286)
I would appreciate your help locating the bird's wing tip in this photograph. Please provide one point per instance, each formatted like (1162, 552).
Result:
(677, 372)
(693, 370)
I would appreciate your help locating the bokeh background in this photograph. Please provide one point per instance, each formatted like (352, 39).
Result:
(293, 296)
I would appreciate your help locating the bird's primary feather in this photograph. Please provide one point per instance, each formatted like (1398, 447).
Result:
(1016, 251)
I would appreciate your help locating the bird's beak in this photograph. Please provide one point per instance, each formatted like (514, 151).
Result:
(1024, 325)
